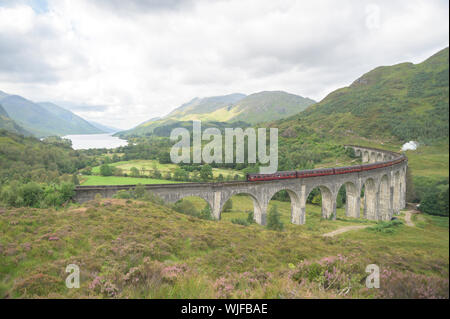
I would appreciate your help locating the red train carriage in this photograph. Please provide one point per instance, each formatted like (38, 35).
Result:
(269, 177)
(315, 172)
(347, 169)
(323, 171)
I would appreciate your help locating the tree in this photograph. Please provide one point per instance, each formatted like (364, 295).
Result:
(134, 172)
(206, 172)
(164, 158)
(139, 191)
(435, 202)
(168, 176)
(31, 194)
(106, 170)
(87, 171)
(206, 213)
(156, 173)
(180, 175)
(117, 171)
(273, 219)
(341, 197)
(75, 180)
(250, 217)
(350, 152)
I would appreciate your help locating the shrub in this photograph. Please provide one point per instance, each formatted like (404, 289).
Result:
(228, 205)
(240, 221)
(31, 194)
(106, 170)
(87, 171)
(151, 197)
(185, 207)
(9, 195)
(273, 219)
(435, 202)
(180, 175)
(139, 191)
(206, 213)
(250, 217)
(123, 194)
(331, 273)
(395, 284)
(134, 172)
(56, 195)
(386, 227)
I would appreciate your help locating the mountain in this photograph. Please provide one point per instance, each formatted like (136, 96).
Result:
(3, 94)
(262, 106)
(8, 124)
(44, 119)
(78, 124)
(237, 107)
(203, 106)
(104, 128)
(390, 103)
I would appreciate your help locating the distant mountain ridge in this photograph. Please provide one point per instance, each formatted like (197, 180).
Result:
(44, 119)
(236, 107)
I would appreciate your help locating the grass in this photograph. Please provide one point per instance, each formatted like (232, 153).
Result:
(144, 250)
(314, 224)
(430, 161)
(163, 168)
(119, 180)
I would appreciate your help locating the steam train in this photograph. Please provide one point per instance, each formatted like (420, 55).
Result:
(322, 171)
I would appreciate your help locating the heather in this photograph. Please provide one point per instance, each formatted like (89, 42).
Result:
(142, 249)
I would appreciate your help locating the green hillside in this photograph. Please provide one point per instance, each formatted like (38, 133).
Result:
(205, 105)
(262, 106)
(233, 108)
(390, 103)
(8, 124)
(46, 119)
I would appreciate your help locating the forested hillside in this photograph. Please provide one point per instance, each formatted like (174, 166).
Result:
(26, 159)
(8, 124)
(390, 103)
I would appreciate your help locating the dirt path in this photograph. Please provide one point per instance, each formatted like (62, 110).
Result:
(408, 221)
(344, 230)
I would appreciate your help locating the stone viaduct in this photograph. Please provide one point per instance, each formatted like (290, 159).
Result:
(384, 191)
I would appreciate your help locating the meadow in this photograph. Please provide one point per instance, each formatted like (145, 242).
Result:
(150, 165)
(135, 249)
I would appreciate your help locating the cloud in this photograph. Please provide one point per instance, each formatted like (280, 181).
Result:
(122, 62)
(142, 6)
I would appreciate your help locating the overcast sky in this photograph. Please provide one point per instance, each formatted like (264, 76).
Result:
(123, 62)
